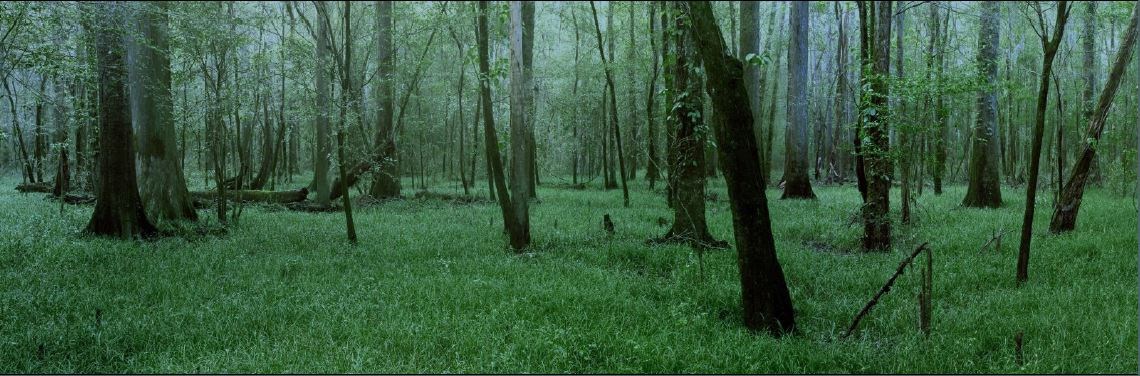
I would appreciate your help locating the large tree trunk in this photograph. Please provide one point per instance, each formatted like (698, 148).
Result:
(1065, 215)
(687, 149)
(903, 134)
(842, 120)
(320, 183)
(521, 166)
(764, 292)
(875, 126)
(935, 63)
(1049, 46)
(985, 184)
(519, 238)
(797, 184)
(385, 183)
(162, 185)
(118, 209)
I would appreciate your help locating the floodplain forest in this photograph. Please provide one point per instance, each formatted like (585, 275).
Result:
(583, 187)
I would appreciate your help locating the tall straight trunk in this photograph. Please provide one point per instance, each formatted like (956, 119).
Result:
(686, 179)
(521, 165)
(1065, 215)
(985, 184)
(1049, 48)
(796, 180)
(39, 141)
(652, 172)
(162, 184)
(346, 102)
(321, 154)
(941, 123)
(531, 155)
(576, 144)
(750, 46)
(519, 238)
(875, 29)
(1090, 72)
(899, 111)
(613, 101)
(631, 119)
(385, 183)
(842, 115)
(766, 166)
(459, 106)
(118, 209)
(59, 123)
(764, 292)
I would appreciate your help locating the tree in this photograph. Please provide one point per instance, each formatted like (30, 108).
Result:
(985, 184)
(874, 160)
(749, 48)
(613, 100)
(842, 99)
(652, 172)
(118, 209)
(161, 181)
(686, 154)
(764, 292)
(1065, 214)
(521, 166)
(320, 183)
(1049, 46)
(935, 62)
(519, 237)
(386, 182)
(797, 184)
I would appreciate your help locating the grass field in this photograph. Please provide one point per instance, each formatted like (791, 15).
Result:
(432, 288)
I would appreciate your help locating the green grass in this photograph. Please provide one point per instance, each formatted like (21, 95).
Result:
(432, 288)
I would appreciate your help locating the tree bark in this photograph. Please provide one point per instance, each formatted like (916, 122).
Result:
(162, 184)
(118, 209)
(875, 125)
(613, 102)
(521, 166)
(985, 184)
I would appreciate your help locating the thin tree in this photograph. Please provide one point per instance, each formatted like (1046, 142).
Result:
(985, 155)
(652, 172)
(519, 238)
(613, 102)
(1049, 46)
(764, 292)
(118, 209)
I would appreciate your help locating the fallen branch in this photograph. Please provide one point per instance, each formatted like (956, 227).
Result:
(995, 240)
(884, 290)
(272, 197)
(34, 187)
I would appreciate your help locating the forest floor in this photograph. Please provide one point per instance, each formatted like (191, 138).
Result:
(432, 288)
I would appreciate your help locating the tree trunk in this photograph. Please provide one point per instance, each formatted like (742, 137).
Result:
(118, 209)
(687, 150)
(749, 47)
(613, 100)
(985, 184)
(162, 185)
(521, 173)
(320, 183)
(519, 238)
(903, 134)
(797, 184)
(1065, 215)
(875, 126)
(764, 292)
(386, 182)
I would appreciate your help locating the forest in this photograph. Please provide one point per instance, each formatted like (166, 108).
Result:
(569, 187)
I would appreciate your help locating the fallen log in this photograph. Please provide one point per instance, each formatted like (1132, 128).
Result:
(203, 199)
(75, 199)
(884, 290)
(34, 187)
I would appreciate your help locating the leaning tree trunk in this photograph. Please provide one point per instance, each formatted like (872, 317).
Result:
(985, 184)
(519, 239)
(764, 292)
(1049, 46)
(162, 185)
(1065, 215)
(118, 210)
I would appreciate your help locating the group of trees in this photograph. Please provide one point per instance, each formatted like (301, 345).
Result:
(257, 93)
